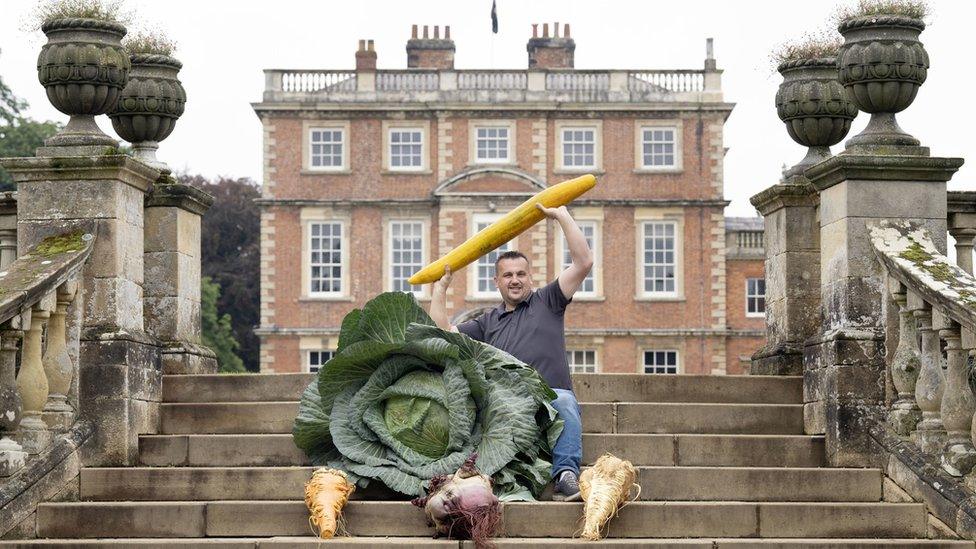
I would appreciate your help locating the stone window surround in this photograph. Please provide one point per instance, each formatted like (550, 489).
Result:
(424, 127)
(307, 127)
(645, 349)
(639, 126)
(596, 356)
(307, 344)
(748, 295)
(595, 216)
(597, 126)
(650, 215)
(473, 126)
(388, 220)
(473, 294)
(325, 215)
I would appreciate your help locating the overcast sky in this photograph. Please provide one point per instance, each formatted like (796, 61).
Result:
(224, 45)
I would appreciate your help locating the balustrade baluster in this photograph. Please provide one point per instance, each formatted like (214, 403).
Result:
(12, 454)
(930, 435)
(58, 414)
(964, 247)
(958, 404)
(905, 366)
(33, 385)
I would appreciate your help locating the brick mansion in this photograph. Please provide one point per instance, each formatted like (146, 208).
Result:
(371, 174)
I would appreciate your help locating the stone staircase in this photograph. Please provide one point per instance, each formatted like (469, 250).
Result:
(723, 463)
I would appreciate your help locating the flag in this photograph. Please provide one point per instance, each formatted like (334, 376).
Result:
(494, 18)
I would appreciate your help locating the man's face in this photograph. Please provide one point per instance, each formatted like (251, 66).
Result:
(512, 279)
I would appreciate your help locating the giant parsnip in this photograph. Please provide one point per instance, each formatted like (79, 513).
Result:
(513, 224)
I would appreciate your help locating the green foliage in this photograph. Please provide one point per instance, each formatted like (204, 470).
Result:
(403, 401)
(916, 9)
(217, 332)
(149, 42)
(230, 243)
(103, 10)
(19, 135)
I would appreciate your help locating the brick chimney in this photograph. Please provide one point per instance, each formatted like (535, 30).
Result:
(430, 52)
(550, 52)
(365, 56)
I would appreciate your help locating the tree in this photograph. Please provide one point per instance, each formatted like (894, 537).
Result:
(217, 331)
(19, 135)
(231, 255)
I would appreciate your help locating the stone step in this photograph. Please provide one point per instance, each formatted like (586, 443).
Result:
(657, 483)
(521, 520)
(308, 542)
(589, 388)
(264, 450)
(624, 417)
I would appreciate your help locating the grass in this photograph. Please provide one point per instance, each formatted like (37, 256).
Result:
(916, 9)
(810, 46)
(149, 42)
(102, 10)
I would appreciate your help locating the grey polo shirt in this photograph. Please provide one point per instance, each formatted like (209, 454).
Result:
(532, 333)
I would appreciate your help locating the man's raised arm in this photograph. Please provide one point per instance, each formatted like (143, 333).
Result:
(579, 251)
(438, 301)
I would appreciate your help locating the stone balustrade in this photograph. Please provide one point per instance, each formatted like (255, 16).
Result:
(37, 400)
(935, 342)
(623, 86)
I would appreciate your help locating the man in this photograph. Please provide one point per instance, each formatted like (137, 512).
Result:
(529, 326)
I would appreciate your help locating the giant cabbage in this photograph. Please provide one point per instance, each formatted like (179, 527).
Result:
(403, 401)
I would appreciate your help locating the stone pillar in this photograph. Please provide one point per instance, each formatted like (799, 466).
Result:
(930, 435)
(8, 228)
(958, 404)
(857, 191)
(12, 455)
(119, 375)
(962, 226)
(172, 286)
(60, 369)
(792, 241)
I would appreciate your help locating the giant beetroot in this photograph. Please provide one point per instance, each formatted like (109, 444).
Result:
(403, 401)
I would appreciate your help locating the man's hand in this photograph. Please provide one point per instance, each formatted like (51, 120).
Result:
(552, 213)
(444, 282)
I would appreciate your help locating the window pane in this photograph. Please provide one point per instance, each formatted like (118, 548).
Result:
(406, 248)
(326, 268)
(326, 148)
(491, 144)
(658, 254)
(658, 147)
(578, 147)
(402, 154)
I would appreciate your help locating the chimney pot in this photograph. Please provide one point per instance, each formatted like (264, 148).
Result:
(369, 45)
(437, 32)
(447, 32)
(362, 45)
(426, 33)
(566, 30)
(535, 30)
(545, 30)
(555, 30)
(413, 32)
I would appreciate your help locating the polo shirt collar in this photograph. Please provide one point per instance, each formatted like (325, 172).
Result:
(524, 303)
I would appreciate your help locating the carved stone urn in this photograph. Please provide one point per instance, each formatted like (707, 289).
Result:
(83, 67)
(882, 64)
(814, 106)
(150, 104)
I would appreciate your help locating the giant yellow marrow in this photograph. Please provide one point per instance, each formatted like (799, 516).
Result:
(513, 224)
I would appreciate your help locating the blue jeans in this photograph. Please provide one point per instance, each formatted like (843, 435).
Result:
(568, 451)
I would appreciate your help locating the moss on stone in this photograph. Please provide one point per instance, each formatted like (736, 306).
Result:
(940, 272)
(916, 254)
(54, 245)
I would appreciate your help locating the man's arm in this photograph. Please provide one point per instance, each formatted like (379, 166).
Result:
(438, 301)
(579, 252)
